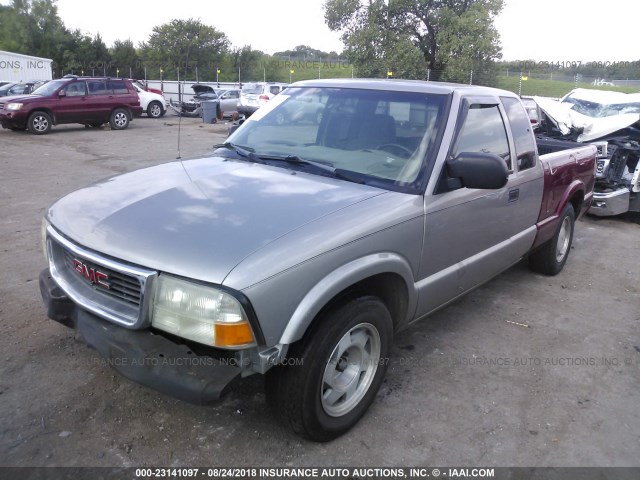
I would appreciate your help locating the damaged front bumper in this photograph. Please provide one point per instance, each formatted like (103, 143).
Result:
(610, 203)
(142, 356)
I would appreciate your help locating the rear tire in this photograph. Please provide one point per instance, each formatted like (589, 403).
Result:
(39, 123)
(332, 376)
(119, 119)
(551, 257)
(155, 110)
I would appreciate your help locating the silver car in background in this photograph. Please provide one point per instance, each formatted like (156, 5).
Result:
(255, 95)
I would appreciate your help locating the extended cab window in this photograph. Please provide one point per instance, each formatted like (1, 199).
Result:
(117, 87)
(483, 131)
(521, 131)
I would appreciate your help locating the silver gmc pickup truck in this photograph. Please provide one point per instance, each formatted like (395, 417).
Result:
(305, 241)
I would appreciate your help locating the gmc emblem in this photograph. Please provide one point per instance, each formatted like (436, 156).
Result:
(96, 277)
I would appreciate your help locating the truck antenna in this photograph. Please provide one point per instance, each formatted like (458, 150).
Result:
(179, 131)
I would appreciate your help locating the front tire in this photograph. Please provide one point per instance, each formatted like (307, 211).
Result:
(155, 110)
(551, 257)
(39, 123)
(119, 119)
(332, 376)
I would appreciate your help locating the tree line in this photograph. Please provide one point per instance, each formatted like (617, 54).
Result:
(179, 48)
(442, 40)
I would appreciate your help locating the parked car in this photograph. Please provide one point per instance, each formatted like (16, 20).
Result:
(305, 109)
(20, 88)
(298, 250)
(145, 86)
(205, 92)
(229, 102)
(228, 98)
(254, 95)
(154, 105)
(90, 101)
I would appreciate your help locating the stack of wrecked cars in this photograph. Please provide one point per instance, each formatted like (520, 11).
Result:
(611, 121)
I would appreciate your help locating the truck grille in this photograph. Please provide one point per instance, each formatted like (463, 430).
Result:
(124, 287)
(109, 288)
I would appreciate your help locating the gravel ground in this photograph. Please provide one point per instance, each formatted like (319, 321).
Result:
(560, 386)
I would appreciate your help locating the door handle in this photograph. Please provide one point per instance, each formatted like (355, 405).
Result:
(514, 195)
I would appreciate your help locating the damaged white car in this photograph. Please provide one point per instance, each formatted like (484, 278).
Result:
(611, 121)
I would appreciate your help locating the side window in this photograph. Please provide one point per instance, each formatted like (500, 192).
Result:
(97, 87)
(521, 130)
(75, 89)
(117, 87)
(483, 131)
(17, 90)
(234, 94)
(274, 90)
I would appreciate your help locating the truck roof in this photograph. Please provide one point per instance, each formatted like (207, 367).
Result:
(404, 86)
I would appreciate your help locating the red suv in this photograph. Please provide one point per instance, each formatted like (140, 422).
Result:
(87, 100)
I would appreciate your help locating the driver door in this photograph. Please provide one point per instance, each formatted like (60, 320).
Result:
(472, 234)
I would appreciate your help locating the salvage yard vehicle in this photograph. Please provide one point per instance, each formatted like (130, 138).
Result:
(152, 103)
(255, 95)
(297, 249)
(611, 122)
(144, 85)
(91, 101)
(20, 88)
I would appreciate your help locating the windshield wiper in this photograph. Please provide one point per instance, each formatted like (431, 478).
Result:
(327, 169)
(246, 152)
(249, 153)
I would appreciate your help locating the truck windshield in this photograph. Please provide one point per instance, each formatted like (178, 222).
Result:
(384, 137)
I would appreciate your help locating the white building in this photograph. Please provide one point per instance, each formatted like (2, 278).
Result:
(15, 67)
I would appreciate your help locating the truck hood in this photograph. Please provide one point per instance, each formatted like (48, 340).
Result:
(198, 218)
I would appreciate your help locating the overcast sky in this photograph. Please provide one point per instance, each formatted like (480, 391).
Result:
(544, 30)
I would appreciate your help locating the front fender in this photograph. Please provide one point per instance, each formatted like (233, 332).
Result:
(341, 279)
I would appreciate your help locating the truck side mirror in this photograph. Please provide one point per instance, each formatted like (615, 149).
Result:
(62, 93)
(477, 170)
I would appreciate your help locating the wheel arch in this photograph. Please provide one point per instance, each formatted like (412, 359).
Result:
(122, 107)
(576, 200)
(574, 194)
(46, 110)
(385, 276)
(153, 101)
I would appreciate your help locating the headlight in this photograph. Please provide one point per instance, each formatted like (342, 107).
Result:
(14, 106)
(203, 314)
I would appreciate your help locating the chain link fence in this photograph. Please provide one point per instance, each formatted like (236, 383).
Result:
(525, 82)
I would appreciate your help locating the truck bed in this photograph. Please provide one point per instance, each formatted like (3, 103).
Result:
(568, 177)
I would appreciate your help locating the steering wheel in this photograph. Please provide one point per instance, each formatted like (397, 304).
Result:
(399, 149)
